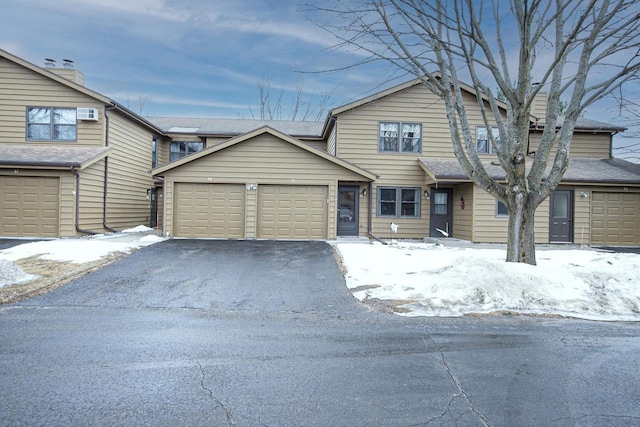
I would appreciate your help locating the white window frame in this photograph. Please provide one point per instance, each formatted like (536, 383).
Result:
(398, 202)
(399, 137)
(52, 124)
(490, 148)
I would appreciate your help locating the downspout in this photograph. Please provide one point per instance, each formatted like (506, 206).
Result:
(611, 144)
(370, 217)
(77, 219)
(106, 172)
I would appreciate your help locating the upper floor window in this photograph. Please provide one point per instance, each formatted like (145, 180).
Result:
(154, 152)
(501, 209)
(181, 149)
(396, 137)
(483, 143)
(51, 124)
(398, 202)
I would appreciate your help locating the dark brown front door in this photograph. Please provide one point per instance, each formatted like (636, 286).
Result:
(441, 218)
(561, 217)
(348, 211)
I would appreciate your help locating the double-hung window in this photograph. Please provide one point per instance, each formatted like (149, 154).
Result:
(397, 137)
(181, 149)
(398, 202)
(483, 143)
(154, 152)
(51, 124)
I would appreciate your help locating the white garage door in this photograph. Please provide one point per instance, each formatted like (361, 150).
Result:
(615, 218)
(209, 210)
(29, 206)
(292, 212)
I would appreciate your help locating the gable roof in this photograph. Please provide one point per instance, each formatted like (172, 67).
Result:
(581, 123)
(80, 88)
(580, 170)
(260, 131)
(52, 156)
(234, 127)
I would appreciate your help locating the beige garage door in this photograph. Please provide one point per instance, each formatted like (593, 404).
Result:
(209, 210)
(292, 212)
(29, 206)
(615, 218)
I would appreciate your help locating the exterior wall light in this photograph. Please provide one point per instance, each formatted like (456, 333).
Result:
(426, 194)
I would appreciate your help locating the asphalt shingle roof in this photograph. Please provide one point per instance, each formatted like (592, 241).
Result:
(212, 126)
(580, 169)
(52, 156)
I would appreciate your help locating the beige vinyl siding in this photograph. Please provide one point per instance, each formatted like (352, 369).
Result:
(491, 229)
(129, 178)
(210, 140)
(581, 215)
(260, 161)
(357, 132)
(92, 197)
(463, 218)
(320, 145)
(164, 150)
(583, 144)
(331, 142)
(21, 88)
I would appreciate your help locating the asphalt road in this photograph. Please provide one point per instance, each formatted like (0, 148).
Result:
(232, 333)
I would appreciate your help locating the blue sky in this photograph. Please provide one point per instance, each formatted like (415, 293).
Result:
(196, 58)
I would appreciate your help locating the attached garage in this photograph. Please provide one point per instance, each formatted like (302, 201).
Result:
(30, 206)
(260, 185)
(292, 212)
(210, 210)
(614, 218)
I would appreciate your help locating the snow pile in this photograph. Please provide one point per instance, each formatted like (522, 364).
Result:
(11, 274)
(75, 250)
(447, 281)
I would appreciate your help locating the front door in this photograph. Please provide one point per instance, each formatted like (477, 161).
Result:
(561, 217)
(441, 218)
(348, 211)
(153, 207)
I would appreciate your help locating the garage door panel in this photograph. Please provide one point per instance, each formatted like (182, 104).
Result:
(292, 212)
(210, 210)
(30, 206)
(614, 218)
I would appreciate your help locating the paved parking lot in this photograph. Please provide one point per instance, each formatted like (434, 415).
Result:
(266, 334)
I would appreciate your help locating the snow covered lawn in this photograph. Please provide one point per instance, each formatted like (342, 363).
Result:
(84, 250)
(436, 280)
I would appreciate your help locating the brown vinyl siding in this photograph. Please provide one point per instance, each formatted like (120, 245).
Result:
(583, 144)
(463, 218)
(259, 161)
(357, 131)
(21, 88)
(92, 197)
(129, 177)
(488, 228)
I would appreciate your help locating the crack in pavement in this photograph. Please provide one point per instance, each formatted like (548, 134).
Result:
(461, 392)
(230, 419)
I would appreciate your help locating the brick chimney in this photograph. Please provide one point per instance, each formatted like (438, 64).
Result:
(67, 71)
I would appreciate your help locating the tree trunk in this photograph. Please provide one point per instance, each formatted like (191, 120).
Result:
(521, 245)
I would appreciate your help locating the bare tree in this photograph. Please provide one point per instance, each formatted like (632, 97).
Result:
(580, 50)
(294, 107)
(629, 115)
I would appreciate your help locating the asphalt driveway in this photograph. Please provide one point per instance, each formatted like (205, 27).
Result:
(237, 333)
